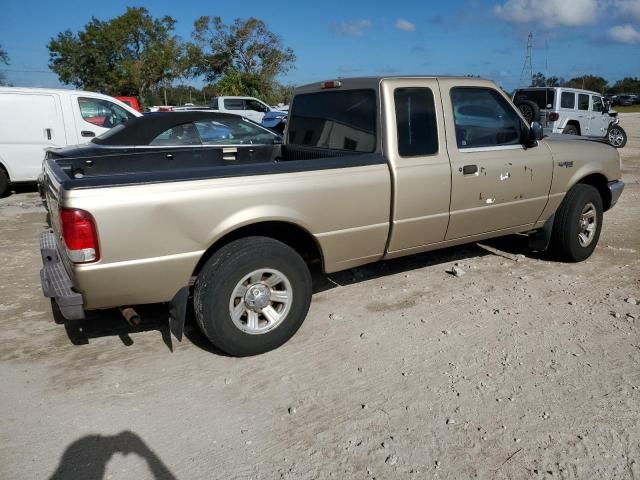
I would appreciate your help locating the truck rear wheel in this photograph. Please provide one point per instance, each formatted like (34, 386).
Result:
(577, 224)
(4, 182)
(252, 296)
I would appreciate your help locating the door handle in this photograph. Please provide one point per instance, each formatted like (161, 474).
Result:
(169, 156)
(48, 132)
(469, 170)
(87, 133)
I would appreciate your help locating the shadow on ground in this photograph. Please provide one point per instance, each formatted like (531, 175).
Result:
(87, 457)
(111, 323)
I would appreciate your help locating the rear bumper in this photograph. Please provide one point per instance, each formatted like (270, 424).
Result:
(55, 281)
(615, 188)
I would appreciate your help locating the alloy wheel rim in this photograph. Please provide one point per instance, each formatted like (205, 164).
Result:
(615, 137)
(588, 223)
(261, 301)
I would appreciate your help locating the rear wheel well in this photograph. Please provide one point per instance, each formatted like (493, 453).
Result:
(288, 233)
(575, 124)
(601, 184)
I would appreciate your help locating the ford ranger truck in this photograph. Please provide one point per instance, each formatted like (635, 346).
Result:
(370, 169)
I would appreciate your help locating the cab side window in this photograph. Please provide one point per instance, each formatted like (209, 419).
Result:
(416, 122)
(185, 134)
(597, 104)
(583, 101)
(256, 106)
(233, 104)
(568, 100)
(102, 113)
(483, 118)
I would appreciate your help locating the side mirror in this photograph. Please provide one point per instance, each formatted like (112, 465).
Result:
(605, 107)
(535, 133)
(278, 140)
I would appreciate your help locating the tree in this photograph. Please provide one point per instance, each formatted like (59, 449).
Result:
(132, 54)
(4, 58)
(246, 48)
(540, 80)
(588, 82)
(626, 85)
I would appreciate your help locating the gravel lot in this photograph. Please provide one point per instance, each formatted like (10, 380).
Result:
(521, 368)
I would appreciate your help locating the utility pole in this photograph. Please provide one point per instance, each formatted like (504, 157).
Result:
(526, 76)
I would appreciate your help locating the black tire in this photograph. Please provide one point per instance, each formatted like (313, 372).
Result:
(223, 272)
(570, 130)
(565, 241)
(530, 110)
(4, 183)
(616, 136)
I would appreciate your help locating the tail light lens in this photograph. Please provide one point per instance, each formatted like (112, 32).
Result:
(331, 84)
(553, 116)
(79, 235)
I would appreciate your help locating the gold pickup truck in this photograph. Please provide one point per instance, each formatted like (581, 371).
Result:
(370, 169)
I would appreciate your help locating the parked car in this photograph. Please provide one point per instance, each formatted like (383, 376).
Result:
(275, 120)
(571, 111)
(33, 119)
(625, 100)
(248, 107)
(131, 101)
(162, 138)
(349, 186)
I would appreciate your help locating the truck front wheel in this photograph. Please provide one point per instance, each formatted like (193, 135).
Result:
(252, 296)
(577, 224)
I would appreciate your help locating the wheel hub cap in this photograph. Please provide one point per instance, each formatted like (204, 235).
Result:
(257, 297)
(260, 301)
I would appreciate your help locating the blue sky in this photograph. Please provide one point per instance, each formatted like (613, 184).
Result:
(351, 38)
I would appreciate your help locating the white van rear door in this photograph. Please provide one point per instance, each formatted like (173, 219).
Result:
(29, 123)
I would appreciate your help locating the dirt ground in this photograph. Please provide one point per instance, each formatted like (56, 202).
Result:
(521, 368)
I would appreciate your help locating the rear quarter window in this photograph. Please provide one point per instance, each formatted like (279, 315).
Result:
(340, 120)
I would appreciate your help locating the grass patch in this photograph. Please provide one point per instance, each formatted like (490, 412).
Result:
(632, 108)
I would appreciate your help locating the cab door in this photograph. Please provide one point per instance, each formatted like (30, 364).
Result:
(584, 114)
(420, 169)
(496, 183)
(598, 119)
(94, 116)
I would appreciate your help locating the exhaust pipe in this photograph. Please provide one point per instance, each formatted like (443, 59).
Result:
(130, 315)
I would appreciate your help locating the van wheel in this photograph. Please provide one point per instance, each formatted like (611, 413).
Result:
(570, 130)
(616, 136)
(530, 110)
(252, 296)
(4, 183)
(577, 224)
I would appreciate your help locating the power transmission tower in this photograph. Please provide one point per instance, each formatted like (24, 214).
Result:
(526, 76)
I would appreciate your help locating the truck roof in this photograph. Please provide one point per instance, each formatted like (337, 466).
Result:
(577, 90)
(373, 81)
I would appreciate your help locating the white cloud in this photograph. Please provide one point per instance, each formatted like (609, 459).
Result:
(629, 9)
(549, 12)
(406, 25)
(624, 34)
(354, 28)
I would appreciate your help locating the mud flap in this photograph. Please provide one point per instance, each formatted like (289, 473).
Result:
(540, 240)
(178, 312)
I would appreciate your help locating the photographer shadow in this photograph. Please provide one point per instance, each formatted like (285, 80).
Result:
(87, 457)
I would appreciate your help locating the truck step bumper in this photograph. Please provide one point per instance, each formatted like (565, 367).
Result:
(55, 281)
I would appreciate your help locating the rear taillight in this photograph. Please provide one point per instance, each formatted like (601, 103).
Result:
(553, 116)
(79, 235)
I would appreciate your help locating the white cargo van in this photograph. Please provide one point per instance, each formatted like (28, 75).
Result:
(33, 119)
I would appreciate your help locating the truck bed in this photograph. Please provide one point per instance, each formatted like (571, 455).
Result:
(131, 168)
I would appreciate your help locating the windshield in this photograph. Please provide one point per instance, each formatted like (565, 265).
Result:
(341, 120)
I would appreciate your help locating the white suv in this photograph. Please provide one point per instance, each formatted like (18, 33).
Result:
(571, 111)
